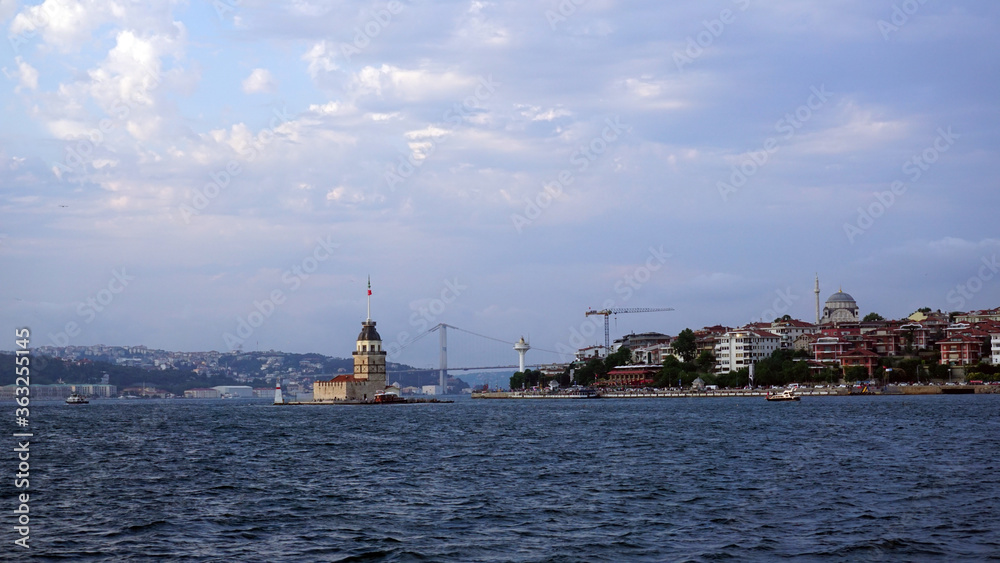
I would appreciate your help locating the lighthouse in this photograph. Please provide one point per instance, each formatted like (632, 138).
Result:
(522, 348)
(277, 393)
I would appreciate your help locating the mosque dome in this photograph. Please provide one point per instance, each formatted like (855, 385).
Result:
(841, 297)
(840, 308)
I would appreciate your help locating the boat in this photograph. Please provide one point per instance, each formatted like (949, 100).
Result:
(76, 399)
(786, 395)
(385, 398)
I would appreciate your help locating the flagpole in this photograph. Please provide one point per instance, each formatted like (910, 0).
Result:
(369, 298)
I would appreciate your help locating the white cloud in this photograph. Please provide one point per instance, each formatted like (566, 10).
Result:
(416, 84)
(536, 113)
(26, 75)
(321, 58)
(260, 80)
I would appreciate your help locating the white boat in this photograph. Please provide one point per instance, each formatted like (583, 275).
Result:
(76, 399)
(786, 395)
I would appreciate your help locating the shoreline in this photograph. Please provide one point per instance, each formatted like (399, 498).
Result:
(807, 392)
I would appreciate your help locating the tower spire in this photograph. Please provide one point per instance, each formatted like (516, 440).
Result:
(369, 297)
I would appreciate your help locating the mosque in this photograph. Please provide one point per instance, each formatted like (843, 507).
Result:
(839, 308)
(369, 369)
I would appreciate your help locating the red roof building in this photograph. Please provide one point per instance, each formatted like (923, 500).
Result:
(863, 358)
(630, 376)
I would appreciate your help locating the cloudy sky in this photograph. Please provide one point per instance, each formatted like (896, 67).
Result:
(193, 175)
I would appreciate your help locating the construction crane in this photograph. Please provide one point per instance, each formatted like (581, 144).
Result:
(608, 312)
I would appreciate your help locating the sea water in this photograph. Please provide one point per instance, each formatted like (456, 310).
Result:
(881, 478)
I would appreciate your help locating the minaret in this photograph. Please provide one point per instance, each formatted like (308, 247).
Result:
(522, 348)
(816, 291)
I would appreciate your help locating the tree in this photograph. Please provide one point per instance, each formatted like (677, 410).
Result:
(517, 380)
(586, 374)
(873, 317)
(621, 357)
(855, 373)
(705, 362)
(685, 344)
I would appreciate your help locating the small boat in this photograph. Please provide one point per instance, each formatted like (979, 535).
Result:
(386, 398)
(76, 399)
(786, 395)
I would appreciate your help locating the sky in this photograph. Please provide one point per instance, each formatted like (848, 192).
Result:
(208, 175)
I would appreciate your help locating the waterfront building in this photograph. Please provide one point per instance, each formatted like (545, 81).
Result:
(738, 349)
(202, 393)
(630, 376)
(235, 391)
(369, 375)
(840, 308)
(369, 371)
(103, 391)
(995, 348)
(860, 357)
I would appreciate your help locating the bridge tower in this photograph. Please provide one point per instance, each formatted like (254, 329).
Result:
(443, 374)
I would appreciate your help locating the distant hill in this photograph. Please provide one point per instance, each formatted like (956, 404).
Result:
(257, 369)
(46, 371)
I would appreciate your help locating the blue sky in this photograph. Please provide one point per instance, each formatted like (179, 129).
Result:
(499, 166)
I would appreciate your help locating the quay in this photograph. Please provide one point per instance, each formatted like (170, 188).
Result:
(402, 401)
(802, 391)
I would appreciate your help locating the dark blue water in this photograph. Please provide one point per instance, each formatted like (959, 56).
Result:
(828, 479)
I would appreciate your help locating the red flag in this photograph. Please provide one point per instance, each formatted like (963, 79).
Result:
(369, 285)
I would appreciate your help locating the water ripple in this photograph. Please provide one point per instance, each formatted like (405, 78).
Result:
(844, 479)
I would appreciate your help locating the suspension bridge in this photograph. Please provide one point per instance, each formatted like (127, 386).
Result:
(459, 349)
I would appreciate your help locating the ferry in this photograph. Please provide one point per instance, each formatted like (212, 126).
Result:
(76, 399)
(786, 395)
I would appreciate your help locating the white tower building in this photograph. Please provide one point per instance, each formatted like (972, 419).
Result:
(522, 348)
(277, 393)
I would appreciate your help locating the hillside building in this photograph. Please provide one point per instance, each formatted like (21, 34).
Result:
(738, 349)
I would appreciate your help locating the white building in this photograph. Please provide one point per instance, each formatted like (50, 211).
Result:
(995, 340)
(201, 393)
(584, 354)
(791, 330)
(738, 349)
(235, 391)
(653, 355)
(97, 390)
